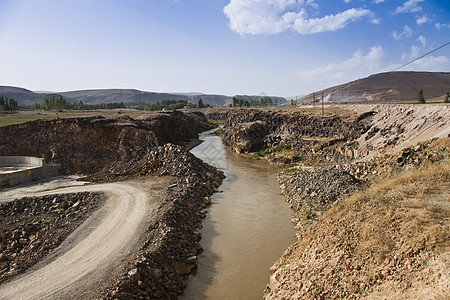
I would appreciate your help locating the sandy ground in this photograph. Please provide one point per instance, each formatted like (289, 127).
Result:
(35, 187)
(96, 248)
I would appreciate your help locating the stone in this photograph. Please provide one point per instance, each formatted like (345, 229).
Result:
(3, 257)
(134, 274)
(182, 268)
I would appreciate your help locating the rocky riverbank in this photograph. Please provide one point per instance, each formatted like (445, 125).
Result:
(288, 137)
(171, 244)
(328, 159)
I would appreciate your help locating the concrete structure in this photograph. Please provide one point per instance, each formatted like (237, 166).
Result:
(19, 169)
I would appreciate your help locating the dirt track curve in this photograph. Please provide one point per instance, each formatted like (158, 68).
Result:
(93, 250)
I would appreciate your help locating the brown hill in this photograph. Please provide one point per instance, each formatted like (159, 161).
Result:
(386, 87)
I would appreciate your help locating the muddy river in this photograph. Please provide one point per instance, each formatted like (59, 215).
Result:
(246, 230)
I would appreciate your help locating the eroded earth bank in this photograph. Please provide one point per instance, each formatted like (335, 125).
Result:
(369, 186)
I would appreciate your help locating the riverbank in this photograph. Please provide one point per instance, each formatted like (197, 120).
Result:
(388, 240)
(328, 158)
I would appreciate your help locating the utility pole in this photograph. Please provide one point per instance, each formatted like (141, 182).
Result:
(323, 112)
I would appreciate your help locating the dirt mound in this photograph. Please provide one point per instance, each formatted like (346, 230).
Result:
(311, 192)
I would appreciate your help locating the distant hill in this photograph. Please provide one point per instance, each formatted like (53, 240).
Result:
(386, 87)
(23, 96)
(26, 97)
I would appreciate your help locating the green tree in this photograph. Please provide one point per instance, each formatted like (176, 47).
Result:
(200, 103)
(447, 98)
(6, 105)
(2, 103)
(12, 104)
(420, 97)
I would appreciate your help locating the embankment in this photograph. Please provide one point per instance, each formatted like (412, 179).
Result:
(92, 146)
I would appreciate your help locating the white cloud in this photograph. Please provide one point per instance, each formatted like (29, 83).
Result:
(431, 63)
(422, 40)
(421, 20)
(347, 1)
(439, 26)
(409, 6)
(376, 21)
(413, 54)
(328, 23)
(275, 16)
(377, 1)
(407, 32)
(427, 63)
(359, 65)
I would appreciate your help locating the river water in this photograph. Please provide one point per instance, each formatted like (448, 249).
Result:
(246, 230)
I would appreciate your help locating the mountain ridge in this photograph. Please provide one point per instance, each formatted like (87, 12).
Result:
(96, 96)
(398, 86)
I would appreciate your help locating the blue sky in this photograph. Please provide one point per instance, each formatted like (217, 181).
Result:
(281, 47)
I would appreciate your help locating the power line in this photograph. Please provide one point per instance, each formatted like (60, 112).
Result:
(421, 57)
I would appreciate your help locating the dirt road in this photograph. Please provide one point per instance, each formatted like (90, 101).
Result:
(91, 252)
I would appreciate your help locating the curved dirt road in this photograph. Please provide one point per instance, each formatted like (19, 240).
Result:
(91, 251)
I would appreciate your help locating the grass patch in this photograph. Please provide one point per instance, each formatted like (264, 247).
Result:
(413, 206)
(263, 152)
(309, 214)
(20, 117)
(277, 149)
(413, 184)
(215, 123)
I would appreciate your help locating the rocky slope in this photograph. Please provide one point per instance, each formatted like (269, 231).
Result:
(291, 136)
(389, 241)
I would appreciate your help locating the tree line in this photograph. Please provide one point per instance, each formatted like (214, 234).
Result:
(265, 101)
(59, 103)
(7, 104)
